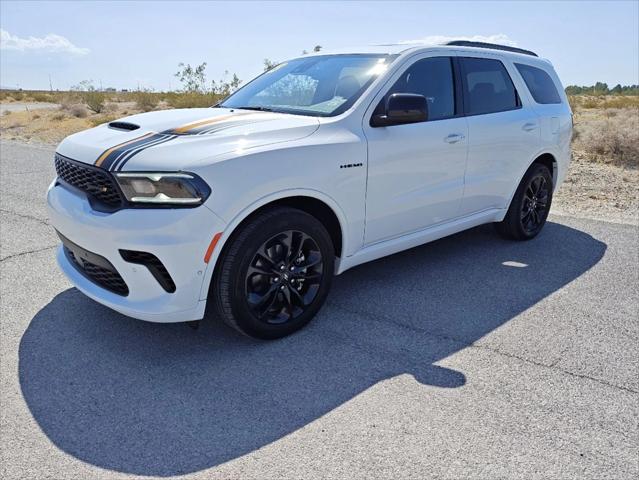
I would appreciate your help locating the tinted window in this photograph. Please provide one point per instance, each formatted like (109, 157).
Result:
(539, 83)
(487, 86)
(432, 78)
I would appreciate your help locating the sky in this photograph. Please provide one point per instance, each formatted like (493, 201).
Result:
(126, 44)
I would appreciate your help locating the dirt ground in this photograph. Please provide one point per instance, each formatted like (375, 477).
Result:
(599, 191)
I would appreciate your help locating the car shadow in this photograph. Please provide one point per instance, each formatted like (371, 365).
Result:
(163, 400)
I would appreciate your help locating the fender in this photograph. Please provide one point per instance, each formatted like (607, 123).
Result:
(243, 214)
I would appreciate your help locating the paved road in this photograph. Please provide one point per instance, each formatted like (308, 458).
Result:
(19, 106)
(471, 357)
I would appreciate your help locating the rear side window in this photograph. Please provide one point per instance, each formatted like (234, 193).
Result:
(487, 86)
(539, 83)
(432, 78)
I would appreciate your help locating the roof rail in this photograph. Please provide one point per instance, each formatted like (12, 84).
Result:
(493, 46)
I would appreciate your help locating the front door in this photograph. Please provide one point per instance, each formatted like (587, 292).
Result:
(416, 171)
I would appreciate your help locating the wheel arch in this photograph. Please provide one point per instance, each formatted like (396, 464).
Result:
(549, 161)
(545, 158)
(321, 206)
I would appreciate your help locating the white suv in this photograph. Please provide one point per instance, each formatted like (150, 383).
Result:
(325, 162)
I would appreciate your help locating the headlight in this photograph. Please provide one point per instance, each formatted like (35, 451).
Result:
(168, 189)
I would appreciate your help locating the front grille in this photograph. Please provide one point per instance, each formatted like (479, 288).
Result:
(155, 266)
(94, 181)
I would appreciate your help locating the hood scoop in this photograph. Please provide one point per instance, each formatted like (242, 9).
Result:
(124, 126)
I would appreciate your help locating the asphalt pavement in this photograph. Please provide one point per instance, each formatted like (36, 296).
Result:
(470, 357)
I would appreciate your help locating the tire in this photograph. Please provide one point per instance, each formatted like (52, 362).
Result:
(530, 205)
(274, 273)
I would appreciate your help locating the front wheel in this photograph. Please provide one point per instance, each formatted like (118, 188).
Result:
(275, 274)
(530, 206)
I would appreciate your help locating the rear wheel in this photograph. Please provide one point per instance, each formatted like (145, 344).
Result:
(275, 274)
(530, 206)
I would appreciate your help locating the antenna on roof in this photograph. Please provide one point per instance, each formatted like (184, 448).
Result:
(492, 46)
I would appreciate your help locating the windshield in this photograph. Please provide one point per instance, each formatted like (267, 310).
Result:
(319, 86)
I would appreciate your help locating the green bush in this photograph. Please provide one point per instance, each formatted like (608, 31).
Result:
(94, 100)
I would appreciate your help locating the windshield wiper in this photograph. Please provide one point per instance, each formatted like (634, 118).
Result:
(258, 109)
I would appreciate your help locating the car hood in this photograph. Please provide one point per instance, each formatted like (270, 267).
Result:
(171, 140)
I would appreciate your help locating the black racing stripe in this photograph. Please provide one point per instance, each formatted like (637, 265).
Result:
(115, 154)
(127, 153)
(133, 154)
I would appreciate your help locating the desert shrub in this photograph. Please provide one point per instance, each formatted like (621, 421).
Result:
(94, 100)
(146, 100)
(590, 102)
(611, 139)
(191, 99)
(95, 121)
(110, 108)
(6, 112)
(78, 111)
(35, 116)
(574, 103)
(17, 95)
(621, 102)
(41, 97)
(59, 117)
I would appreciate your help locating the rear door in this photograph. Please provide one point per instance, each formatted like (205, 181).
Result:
(503, 134)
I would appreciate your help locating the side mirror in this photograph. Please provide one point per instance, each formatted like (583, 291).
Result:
(402, 108)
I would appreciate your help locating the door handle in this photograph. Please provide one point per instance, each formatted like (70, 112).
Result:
(529, 127)
(454, 138)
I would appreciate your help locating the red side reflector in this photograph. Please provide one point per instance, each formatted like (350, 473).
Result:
(209, 251)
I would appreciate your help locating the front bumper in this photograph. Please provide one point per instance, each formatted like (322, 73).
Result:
(178, 237)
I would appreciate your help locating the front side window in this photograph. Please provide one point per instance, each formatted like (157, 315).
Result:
(541, 86)
(487, 86)
(318, 86)
(432, 78)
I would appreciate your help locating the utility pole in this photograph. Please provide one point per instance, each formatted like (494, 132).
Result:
(50, 84)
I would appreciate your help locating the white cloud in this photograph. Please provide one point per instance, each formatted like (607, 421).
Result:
(499, 38)
(49, 43)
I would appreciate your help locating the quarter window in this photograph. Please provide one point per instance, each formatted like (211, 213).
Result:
(432, 78)
(539, 83)
(487, 86)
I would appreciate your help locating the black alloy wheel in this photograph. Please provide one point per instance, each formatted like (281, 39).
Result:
(535, 204)
(274, 273)
(530, 205)
(284, 277)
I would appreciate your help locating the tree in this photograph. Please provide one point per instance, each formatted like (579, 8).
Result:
(317, 48)
(601, 88)
(193, 79)
(269, 64)
(92, 98)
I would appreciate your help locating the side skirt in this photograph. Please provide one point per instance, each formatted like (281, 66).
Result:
(404, 242)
